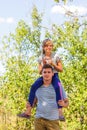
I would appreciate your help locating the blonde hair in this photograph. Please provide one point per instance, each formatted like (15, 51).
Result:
(44, 43)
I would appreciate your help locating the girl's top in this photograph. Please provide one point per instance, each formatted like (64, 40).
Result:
(55, 82)
(55, 58)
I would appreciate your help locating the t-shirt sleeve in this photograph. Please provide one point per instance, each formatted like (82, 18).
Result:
(57, 58)
(40, 59)
(64, 95)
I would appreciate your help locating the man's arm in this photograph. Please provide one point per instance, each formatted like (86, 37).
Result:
(35, 102)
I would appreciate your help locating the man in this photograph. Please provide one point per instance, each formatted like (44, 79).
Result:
(47, 116)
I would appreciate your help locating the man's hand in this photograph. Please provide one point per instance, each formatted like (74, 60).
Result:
(63, 103)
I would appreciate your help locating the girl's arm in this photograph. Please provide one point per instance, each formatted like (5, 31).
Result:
(40, 65)
(58, 66)
(40, 68)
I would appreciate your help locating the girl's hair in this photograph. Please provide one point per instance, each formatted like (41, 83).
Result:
(44, 43)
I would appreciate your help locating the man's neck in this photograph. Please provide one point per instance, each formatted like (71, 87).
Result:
(47, 83)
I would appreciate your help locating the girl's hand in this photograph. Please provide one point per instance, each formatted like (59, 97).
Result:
(48, 60)
(44, 61)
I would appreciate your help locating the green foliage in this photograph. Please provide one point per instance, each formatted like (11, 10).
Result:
(22, 31)
(62, 1)
(36, 18)
(21, 72)
(14, 91)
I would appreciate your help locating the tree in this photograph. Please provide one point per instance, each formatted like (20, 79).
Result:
(62, 0)
(20, 50)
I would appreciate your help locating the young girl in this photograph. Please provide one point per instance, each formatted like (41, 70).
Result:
(47, 57)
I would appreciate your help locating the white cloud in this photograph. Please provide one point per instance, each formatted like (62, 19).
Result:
(2, 20)
(10, 20)
(77, 10)
(7, 20)
(58, 9)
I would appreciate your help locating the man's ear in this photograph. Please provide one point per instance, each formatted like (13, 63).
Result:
(53, 73)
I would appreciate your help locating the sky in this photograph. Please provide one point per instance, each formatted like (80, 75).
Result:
(12, 11)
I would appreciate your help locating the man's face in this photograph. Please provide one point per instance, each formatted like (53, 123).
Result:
(47, 74)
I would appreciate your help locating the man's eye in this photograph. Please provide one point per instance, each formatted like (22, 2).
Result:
(44, 72)
(47, 72)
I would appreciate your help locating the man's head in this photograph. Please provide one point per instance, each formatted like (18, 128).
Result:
(47, 72)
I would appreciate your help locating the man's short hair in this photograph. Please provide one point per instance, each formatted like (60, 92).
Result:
(46, 66)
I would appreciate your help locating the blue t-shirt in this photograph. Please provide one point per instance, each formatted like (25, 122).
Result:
(46, 106)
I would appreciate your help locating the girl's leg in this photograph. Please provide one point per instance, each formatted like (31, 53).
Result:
(29, 108)
(61, 115)
(59, 94)
(55, 82)
(38, 83)
(31, 98)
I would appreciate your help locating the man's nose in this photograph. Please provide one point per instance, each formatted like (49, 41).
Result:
(47, 73)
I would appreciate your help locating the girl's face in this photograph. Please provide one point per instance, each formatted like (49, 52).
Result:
(48, 47)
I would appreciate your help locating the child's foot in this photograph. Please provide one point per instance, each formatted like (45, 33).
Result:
(24, 115)
(61, 118)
